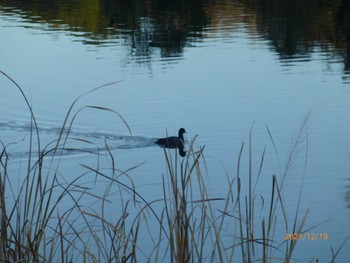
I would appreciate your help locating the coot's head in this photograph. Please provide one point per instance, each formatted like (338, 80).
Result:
(181, 132)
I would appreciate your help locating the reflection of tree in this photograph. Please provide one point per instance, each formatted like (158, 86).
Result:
(343, 24)
(293, 27)
(296, 27)
(158, 24)
(347, 196)
(287, 27)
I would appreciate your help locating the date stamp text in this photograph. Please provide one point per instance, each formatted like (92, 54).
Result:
(306, 236)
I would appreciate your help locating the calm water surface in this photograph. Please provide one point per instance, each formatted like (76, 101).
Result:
(216, 68)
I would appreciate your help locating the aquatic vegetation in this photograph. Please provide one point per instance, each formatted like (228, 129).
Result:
(44, 216)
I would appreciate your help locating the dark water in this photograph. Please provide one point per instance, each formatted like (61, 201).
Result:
(213, 67)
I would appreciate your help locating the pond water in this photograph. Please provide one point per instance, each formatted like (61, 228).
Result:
(216, 68)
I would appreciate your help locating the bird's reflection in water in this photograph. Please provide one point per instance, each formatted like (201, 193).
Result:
(182, 151)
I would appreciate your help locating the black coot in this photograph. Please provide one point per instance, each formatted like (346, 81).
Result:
(174, 142)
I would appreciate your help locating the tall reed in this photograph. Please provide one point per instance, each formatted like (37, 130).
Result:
(36, 223)
(190, 221)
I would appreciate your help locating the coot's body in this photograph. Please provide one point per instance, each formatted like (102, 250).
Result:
(174, 142)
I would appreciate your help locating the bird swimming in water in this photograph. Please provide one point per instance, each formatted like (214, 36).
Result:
(174, 142)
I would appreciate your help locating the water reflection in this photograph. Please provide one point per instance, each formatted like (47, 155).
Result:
(293, 29)
(297, 28)
(347, 196)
